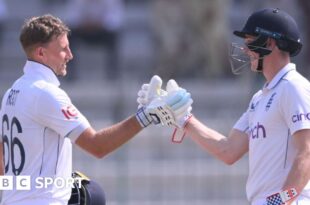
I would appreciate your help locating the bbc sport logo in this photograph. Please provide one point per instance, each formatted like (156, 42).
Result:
(25, 182)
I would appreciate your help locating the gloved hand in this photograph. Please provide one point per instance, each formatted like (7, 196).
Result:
(150, 91)
(146, 94)
(182, 113)
(173, 109)
(183, 116)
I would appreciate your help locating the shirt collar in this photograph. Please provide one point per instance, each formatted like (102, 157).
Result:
(278, 77)
(41, 71)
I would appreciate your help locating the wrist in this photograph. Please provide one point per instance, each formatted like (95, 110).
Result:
(179, 133)
(190, 117)
(282, 198)
(143, 118)
(183, 121)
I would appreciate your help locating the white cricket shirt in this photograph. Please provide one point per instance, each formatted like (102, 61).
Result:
(37, 118)
(275, 113)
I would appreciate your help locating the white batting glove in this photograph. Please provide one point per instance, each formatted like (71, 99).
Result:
(172, 110)
(183, 116)
(150, 91)
(146, 118)
(171, 107)
(183, 112)
(146, 94)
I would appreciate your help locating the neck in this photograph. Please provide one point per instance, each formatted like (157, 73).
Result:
(272, 67)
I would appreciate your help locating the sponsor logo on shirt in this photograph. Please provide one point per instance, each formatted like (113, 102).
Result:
(70, 112)
(258, 131)
(301, 117)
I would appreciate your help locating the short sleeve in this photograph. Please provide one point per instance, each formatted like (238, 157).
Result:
(243, 123)
(55, 110)
(296, 107)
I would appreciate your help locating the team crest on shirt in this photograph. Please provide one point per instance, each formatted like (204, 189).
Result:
(70, 112)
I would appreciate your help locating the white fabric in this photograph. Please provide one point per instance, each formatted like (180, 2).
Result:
(46, 116)
(35, 201)
(275, 113)
(150, 91)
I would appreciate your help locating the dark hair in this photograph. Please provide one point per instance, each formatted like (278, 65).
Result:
(41, 30)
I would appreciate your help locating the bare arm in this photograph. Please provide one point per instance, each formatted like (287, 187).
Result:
(107, 140)
(299, 174)
(228, 149)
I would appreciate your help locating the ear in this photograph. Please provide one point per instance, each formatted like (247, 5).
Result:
(39, 53)
(271, 43)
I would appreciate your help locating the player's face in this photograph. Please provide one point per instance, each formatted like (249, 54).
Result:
(58, 54)
(253, 55)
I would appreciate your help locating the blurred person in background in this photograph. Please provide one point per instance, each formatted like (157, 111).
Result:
(184, 32)
(275, 129)
(304, 6)
(3, 17)
(40, 123)
(97, 23)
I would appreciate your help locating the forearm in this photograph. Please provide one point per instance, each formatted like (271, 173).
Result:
(209, 139)
(104, 141)
(299, 174)
(116, 135)
(228, 149)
